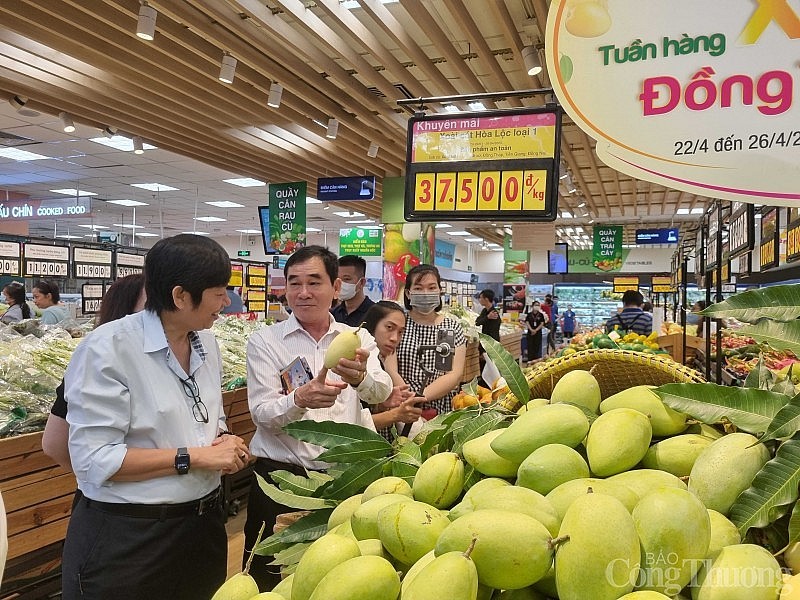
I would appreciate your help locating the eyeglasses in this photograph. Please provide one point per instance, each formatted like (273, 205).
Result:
(199, 409)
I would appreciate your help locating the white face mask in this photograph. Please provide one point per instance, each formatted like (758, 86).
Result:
(424, 303)
(347, 291)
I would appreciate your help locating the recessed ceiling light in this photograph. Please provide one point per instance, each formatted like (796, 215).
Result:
(20, 155)
(493, 245)
(93, 227)
(458, 233)
(451, 108)
(145, 234)
(359, 221)
(249, 231)
(473, 239)
(120, 142)
(347, 214)
(311, 200)
(69, 237)
(312, 230)
(196, 232)
(128, 202)
(697, 211)
(210, 219)
(245, 182)
(71, 192)
(443, 226)
(225, 204)
(566, 215)
(682, 211)
(155, 187)
(126, 226)
(477, 106)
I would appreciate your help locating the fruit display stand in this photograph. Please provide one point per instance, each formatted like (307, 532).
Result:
(511, 342)
(236, 487)
(673, 344)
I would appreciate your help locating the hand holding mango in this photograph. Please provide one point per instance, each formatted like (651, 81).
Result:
(345, 358)
(320, 392)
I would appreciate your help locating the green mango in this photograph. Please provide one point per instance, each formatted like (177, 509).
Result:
(664, 420)
(562, 497)
(617, 441)
(284, 588)
(644, 595)
(674, 531)
(723, 533)
(600, 560)
(479, 454)
(364, 521)
(239, 587)
(549, 466)
(527, 593)
(551, 424)
(705, 430)
(677, 454)
(485, 484)
(321, 556)
(519, 500)
(344, 510)
(387, 485)
(739, 572)
(414, 570)
(451, 571)
(513, 550)
(577, 387)
(373, 548)
(643, 481)
(531, 404)
(409, 530)
(360, 578)
(725, 469)
(439, 480)
(546, 586)
(267, 596)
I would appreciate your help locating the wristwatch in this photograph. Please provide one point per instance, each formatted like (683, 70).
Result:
(182, 461)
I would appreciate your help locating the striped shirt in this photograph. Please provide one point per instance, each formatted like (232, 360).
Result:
(631, 319)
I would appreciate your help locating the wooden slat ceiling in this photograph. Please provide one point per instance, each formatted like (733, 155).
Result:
(353, 65)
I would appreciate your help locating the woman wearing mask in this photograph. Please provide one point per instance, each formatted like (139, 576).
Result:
(46, 297)
(535, 320)
(18, 309)
(430, 374)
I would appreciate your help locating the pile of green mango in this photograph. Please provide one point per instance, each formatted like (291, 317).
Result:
(580, 499)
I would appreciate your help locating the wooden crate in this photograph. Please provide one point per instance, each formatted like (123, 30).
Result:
(673, 343)
(513, 343)
(471, 363)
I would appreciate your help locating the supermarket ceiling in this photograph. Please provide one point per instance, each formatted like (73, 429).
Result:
(349, 60)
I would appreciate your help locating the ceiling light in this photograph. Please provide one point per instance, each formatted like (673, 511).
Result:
(571, 189)
(69, 237)
(196, 232)
(66, 121)
(145, 234)
(697, 211)
(326, 207)
(682, 211)
(73, 192)
(347, 214)
(93, 227)
(210, 219)
(579, 229)
(19, 102)
(225, 204)
(473, 239)
(311, 200)
(146, 26)
(333, 129)
(359, 222)
(582, 204)
(275, 94)
(477, 106)
(155, 187)
(443, 225)
(508, 230)
(128, 202)
(312, 230)
(458, 233)
(591, 221)
(373, 150)
(118, 142)
(493, 245)
(568, 229)
(564, 174)
(566, 215)
(20, 155)
(128, 226)
(245, 182)
(249, 231)
(138, 147)
(451, 108)
(227, 70)
(530, 56)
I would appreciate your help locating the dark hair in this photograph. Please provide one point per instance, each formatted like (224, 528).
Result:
(632, 298)
(193, 262)
(488, 294)
(647, 307)
(414, 275)
(351, 260)
(121, 298)
(378, 312)
(306, 253)
(16, 292)
(48, 287)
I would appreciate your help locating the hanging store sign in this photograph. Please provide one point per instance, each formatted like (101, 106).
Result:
(361, 241)
(769, 239)
(46, 261)
(499, 165)
(695, 96)
(741, 231)
(287, 216)
(346, 188)
(257, 275)
(623, 284)
(91, 298)
(45, 209)
(129, 264)
(700, 250)
(793, 235)
(445, 254)
(10, 253)
(237, 275)
(88, 263)
(657, 236)
(661, 285)
(712, 240)
(607, 247)
(256, 300)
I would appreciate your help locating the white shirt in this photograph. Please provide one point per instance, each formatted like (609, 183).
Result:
(123, 388)
(273, 348)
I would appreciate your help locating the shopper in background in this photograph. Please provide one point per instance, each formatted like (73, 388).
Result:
(46, 297)
(694, 318)
(568, 322)
(18, 309)
(148, 441)
(489, 319)
(535, 321)
(549, 309)
(386, 321)
(236, 305)
(291, 347)
(125, 297)
(434, 375)
(354, 304)
(632, 318)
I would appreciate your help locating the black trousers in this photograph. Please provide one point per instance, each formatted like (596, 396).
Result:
(534, 345)
(262, 509)
(134, 558)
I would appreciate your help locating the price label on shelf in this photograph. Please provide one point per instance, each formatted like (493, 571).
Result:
(86, 271)
(43, 268)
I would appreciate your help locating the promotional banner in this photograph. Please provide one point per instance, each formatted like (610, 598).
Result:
(607, 248)
(346, 188)
(516, 263)
(401, 252)
(445, 254)
(633, 260)
(695, 96)
(45, 209)
(361, 241)
(287, 216)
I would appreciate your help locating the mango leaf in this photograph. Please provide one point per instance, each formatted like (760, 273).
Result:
(292, 554)
(508, 366)
(760, 377)
(356, 451)
(477, 427)
(308, 528)
(317, 476)
(405, 467)
(411, 449)
(777, 302)
(794, 524)
(781, 336)
(329, 434)
(471, 476)
(289, 499)
(435, 430)
(786, 421)
(591, 416)
(749, 409)
(289, 482)
(785, 387)
(357, 477)
(471, 388)
(773, 487)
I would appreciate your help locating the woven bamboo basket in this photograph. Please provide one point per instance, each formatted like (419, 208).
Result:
(615, 370)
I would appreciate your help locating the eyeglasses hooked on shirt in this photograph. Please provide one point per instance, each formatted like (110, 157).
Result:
(199, 409)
